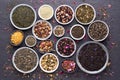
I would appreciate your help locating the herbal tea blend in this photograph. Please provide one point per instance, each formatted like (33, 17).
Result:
(77, 32)
(68, 66)
(92, 57)
(30, 40)
(59, 31)
(23, 16)
(25, 59)
(98, 30)
(85, 13)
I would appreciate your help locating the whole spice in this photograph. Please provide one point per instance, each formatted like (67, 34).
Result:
(69, 66)
(30, 41)
(77, 31)
(45, 12)
(49, 62)
(98, 30)
(64, 14)
(59, 31)
(17, 38)
(42, 29)
(66, 46)
(85, 13)
(25, 59)
(92, 57)
(23, 16)
(45, 46)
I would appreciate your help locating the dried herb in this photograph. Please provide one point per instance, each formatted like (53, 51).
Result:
(68, 66)
(30, 41)
(85, 13)
(77, 32)
(66, 46)
(25, 59)
(92, 57)
(59, 31)
(98, 30)
(23, 16)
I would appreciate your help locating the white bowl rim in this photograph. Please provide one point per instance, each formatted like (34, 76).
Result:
(64, 55)
(37, 36)
(51, 70)
(82, 35)
(93, 11)
(92, 72)
(51, 9)
(55, 28)
(72, 15)
(26, 41)
(17, 7)
(106, 34)
(25, 72)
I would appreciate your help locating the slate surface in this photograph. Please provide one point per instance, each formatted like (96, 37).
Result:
(112, 17)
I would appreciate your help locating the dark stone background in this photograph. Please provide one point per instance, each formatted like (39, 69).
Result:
(107, 10)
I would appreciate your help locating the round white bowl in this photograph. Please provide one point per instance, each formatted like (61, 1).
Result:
(71, 53)
(93, 11)
(106, 34)
(13, 58)
(51, 9)
(51, 70)
(61, 22)
(26, 41)
(80, 37)
(37, 36)
(17, 7)
(92, 72)
(57, 35)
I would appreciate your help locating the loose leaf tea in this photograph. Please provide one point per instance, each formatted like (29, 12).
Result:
(64, 14)
(46, 46)
(23, 16)
(66, 46)
(68, 65)
(42, 29)
(85, 13)
(30, 40)
(59, 31)
(77, 32)
(25, 59)
(98, 30)
(92, 57)
(49, 62)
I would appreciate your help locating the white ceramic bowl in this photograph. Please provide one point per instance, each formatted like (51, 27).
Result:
(13, 58)
(106, 34)
(61, 22)
(82, 35)
(26, 41)
(92, 72)
(59, 35)
(48, 13)
(93, 11)
(17, 7)
(64, 55)
(37, 36)
(51, 70)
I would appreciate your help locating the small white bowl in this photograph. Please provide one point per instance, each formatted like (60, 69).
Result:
(93, 11)
(58, 35)
(72, 15)
(92, 72)
(48, 13)
(71, 53)
(80, 37)
(51, 70)
(106, 34)
(37, 36)
(13, 58)
(26, 41)
(17, 7)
